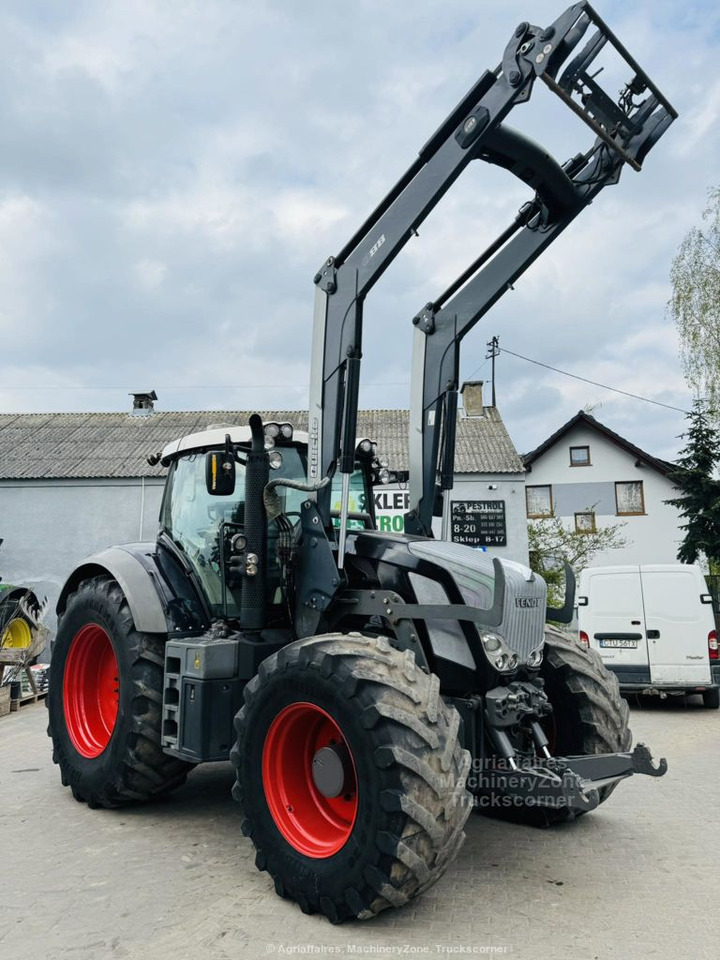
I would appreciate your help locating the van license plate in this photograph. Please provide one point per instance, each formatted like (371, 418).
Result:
(624, 644)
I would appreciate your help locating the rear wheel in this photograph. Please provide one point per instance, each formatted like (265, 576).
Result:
(105, 702)
(711, 699)
(351, 775)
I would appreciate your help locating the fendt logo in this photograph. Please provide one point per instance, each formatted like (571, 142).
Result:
(527, 601)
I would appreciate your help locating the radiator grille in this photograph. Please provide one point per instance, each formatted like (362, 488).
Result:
(523, 622)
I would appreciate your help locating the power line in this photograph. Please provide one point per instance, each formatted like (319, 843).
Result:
(594, 383)
(390, 383)
(478, 368)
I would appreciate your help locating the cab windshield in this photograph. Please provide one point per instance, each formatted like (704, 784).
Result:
(195, 521)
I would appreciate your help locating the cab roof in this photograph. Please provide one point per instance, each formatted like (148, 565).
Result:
(215, 435)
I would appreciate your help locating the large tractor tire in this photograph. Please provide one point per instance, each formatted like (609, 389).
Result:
(589, 715)
(351, 775)
(105, 702)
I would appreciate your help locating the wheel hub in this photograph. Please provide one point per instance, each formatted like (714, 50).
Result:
(330, 769)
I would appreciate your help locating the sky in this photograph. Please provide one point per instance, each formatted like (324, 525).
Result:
(173, 172)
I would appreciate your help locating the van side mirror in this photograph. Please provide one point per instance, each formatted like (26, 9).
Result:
(220, 470)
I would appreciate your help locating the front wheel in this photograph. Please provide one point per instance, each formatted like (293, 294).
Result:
(105, 702)
(589, 714)
(351, 775)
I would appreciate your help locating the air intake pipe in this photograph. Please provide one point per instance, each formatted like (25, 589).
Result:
(254, 585)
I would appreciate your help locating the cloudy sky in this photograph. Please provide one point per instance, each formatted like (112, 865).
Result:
(173, 172)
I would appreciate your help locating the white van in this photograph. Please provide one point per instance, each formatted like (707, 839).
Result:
(654, 627)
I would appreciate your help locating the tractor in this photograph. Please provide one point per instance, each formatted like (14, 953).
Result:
(369, 688)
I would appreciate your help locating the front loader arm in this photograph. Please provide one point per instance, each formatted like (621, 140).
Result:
(473, 130)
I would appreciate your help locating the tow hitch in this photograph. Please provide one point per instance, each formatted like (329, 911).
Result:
(571, 782)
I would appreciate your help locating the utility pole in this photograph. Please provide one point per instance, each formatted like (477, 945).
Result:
(493, 350)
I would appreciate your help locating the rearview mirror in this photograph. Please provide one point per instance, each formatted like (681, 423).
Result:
(220, 471)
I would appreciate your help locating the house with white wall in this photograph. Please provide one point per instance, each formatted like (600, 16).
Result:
(74, 483)
(592, 477)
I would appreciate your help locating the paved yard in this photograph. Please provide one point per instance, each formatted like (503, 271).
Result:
(176, 879)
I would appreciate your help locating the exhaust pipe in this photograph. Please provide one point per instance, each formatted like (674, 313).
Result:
(253, 594)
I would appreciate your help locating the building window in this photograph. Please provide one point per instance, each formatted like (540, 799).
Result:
(629, 499)
(579, 456)
(539, 501)
(585, 522)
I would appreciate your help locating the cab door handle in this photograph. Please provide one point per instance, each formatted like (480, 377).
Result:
(635, 623)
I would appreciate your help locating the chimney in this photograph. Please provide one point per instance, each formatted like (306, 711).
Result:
(472, 396)
(143, 403)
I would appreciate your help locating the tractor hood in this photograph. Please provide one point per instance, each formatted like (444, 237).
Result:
(512, 597)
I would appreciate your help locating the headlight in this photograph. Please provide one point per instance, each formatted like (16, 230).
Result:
(384, 475)
(272, 430)
(269, 442)
(366, 446)
(286, 429)
(238, 543)
(498, 653)
(535, 658)
(491, 642)
(275, 459)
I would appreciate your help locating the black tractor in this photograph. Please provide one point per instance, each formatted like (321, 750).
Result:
(369, 688)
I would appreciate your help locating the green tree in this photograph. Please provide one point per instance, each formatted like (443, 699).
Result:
(699, 490)
(695, 302)
(552, 544)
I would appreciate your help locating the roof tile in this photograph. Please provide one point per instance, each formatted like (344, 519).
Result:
(74, 445)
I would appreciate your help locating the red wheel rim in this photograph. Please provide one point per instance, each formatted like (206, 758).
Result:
(90, 690)
(315, 825)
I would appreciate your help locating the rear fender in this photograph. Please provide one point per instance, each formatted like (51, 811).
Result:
(136, 582)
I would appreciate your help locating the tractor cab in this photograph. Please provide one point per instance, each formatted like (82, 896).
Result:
(203, 513)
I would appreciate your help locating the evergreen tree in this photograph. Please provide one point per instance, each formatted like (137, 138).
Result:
(699, 499)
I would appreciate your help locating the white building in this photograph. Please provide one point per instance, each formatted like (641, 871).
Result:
(591, 477)
(74, 483)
